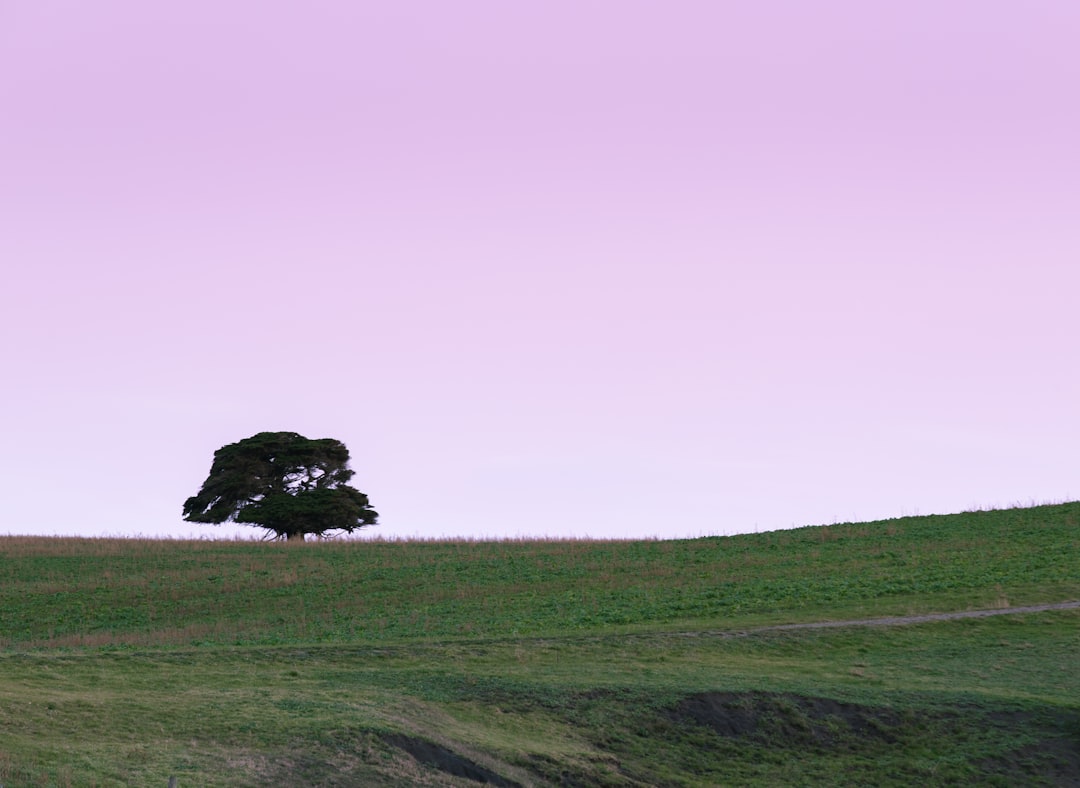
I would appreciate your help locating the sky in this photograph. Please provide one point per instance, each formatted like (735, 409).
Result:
(572, 268)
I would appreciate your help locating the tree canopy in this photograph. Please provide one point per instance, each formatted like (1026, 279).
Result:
(285, 483)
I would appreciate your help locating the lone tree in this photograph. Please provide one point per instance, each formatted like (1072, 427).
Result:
(283, 482)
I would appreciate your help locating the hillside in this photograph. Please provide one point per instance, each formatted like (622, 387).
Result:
(547, 663)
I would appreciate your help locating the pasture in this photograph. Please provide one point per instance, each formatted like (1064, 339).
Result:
(126, 662)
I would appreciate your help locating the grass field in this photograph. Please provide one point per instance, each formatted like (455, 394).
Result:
(125, 662)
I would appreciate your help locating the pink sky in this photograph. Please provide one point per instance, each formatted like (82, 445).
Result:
(593, 268)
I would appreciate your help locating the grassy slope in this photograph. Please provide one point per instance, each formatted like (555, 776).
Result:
(124, 662)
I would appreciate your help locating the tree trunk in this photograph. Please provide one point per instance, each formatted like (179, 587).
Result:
(297, 536)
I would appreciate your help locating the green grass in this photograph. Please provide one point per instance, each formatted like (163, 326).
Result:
(123, 662)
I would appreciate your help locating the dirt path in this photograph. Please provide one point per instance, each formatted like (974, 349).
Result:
(922, 619)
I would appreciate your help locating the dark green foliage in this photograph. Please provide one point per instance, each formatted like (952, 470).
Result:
(284, 482)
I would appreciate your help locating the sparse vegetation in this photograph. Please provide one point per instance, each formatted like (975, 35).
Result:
(546, 663)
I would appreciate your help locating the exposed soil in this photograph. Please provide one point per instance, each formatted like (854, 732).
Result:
(792, 719)
(785, 720)
(446, 760)
(1052, 762)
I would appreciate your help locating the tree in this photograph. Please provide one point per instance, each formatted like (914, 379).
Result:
(285, 483)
